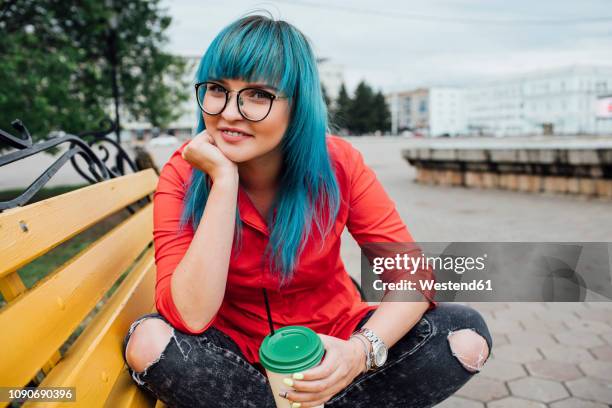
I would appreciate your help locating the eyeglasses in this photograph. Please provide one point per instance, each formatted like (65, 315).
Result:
(254, 104)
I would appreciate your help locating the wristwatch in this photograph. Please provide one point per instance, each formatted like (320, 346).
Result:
(378, 355)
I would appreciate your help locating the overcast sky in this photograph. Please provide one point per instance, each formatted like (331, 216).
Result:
(396, 44)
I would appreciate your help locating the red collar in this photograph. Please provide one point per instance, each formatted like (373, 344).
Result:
(249, 214)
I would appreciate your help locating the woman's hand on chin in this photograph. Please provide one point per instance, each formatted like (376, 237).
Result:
(203, 154)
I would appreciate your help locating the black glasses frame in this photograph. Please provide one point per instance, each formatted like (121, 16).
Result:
(238, 94)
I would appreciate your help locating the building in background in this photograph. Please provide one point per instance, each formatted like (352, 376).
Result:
(562, 101)
(331, 76)
(428, 111)
(496, 108)
(447, 112)
(567, 98)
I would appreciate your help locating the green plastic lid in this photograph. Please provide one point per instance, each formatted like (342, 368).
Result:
(291, 349)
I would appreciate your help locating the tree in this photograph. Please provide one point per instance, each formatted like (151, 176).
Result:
(381, 113)
(361, 114)
(57, 63)
(341, 110)
(325, 97)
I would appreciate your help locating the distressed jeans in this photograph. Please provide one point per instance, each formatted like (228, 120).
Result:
(209, 370)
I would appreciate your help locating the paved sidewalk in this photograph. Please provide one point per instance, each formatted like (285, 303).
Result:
(556, 355)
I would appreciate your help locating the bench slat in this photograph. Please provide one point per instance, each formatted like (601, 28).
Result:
(94, 362)
(125, 394)
(11, 286)
(30, 231)
(37, 323)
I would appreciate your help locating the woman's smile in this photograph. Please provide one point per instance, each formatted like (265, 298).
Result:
(232, 135)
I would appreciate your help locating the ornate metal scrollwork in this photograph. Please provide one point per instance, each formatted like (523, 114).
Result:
(98, 167)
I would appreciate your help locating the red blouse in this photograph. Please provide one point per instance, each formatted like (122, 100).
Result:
(321, 295)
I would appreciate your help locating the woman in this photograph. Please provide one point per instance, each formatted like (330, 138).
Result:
(258, 200)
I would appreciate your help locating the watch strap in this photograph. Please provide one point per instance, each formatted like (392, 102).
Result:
(374, 340)
(366, 348)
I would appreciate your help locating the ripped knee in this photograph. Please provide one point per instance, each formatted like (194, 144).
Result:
(469, 347)
(147, 343)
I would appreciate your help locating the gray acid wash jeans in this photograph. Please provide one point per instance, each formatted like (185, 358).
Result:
(209, 370)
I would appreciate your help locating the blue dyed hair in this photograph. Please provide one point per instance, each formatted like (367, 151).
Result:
(257, 48)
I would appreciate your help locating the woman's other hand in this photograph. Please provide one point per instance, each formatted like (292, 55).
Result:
(203, 154)
(344, 360)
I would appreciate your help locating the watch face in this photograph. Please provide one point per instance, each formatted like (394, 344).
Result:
(380, 356)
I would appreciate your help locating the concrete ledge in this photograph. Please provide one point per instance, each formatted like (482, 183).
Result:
(517, 182)
(584, 171)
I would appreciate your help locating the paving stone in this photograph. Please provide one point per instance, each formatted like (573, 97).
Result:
(513, 402)
(607, 338)
(579, 339)
(538, 389)
(591, 389)
(567, 354)
(512, 315)
(553, 370)
(566, 307)
(598, 305)
(577, 403)
(598, 369)
(502, 370)
(602, 353)
(486, 315)
(590, 326)
(516, 354)
(499, 339)
(598, 315)
(504, 326)
(531, 339)
(537, 325)
(488, 306)
(557, 316)
(458, 402)
(483, 389)
(529, 307)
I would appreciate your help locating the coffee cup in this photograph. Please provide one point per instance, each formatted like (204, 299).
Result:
(291, 349)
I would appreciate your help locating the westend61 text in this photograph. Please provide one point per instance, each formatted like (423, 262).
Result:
(429, 284)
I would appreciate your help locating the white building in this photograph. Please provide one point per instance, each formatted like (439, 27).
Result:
(496, 108)
(430, 111)
(564, 99)
(561, 101)
(447, 111)
(568, 99)
(331, 76)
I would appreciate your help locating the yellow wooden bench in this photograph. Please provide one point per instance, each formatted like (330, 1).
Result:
(35, 323)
